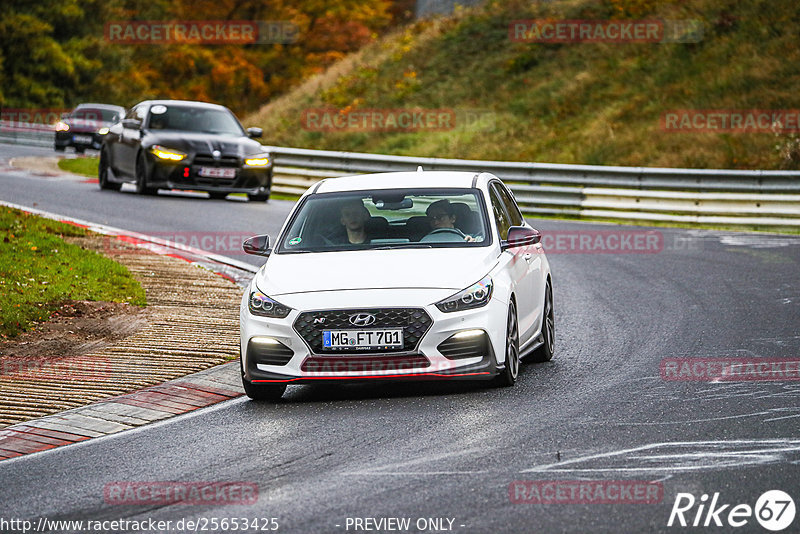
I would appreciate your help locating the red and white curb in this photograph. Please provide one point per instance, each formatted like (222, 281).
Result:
(124, 412)
(144, 406)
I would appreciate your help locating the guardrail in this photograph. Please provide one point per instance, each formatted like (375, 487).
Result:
(735, 197)
(703, 196)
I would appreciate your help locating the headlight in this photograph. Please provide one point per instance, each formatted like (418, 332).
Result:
(258, 160)
(62, 126)
(474, 296)
(167, 154)
(102, 131)
(260, 304)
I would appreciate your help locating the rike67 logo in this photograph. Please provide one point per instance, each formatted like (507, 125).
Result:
(774, 510)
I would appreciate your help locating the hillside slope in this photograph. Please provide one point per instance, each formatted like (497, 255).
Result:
(568, 102)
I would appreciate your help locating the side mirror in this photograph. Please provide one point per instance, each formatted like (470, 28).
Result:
(257, 245)
(254, 133)
(133, 124)
(520, 236)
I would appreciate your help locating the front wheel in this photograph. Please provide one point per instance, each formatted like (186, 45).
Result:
(509, 374)
(102, 174)
(545, 352)
(142, 176)
(263, 392)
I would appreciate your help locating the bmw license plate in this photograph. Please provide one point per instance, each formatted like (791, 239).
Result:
(385, 338)
(217, 172)
(83, 139)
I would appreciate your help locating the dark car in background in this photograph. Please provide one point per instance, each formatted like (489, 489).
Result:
(86, 126)
(178, 144)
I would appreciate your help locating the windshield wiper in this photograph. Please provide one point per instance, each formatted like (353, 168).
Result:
(401, 245)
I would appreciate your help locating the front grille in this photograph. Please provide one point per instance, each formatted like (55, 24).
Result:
(414, 321)
(363, 364)
(207, 160)
(454, 348)
(269, 354)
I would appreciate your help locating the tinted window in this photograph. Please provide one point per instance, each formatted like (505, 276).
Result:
(512, 209)
(92, 114)
(189, 119)
(136, 112)
(500, 215)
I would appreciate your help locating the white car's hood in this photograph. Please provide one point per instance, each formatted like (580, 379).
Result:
(443, 268)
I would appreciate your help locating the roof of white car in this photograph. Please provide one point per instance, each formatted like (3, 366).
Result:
(401, 180)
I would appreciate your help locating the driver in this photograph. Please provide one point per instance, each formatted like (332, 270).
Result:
(442, 215)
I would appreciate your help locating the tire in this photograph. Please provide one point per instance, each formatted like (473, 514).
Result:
(260, 392)
(263, 392)
(508, 376)
(262, 197)
(545, 352)
(217, 195)
(79, 150)
(59, 148)
(141, 177)
(102, 174)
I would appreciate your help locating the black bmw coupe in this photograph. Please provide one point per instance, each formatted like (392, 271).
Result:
(177, 144)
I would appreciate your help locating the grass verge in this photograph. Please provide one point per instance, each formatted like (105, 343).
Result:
(39, 270)
(86, 166)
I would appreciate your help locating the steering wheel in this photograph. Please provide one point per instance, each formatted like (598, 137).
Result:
(443, 235)
(446, 231)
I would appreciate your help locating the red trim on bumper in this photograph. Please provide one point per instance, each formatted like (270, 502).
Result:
(363, 377)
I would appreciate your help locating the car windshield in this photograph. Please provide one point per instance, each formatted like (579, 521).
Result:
(189, 119)
(92, 114)
(390, 219)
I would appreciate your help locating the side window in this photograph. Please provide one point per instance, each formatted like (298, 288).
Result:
(512, 209)
(137, 112)
(500, 215)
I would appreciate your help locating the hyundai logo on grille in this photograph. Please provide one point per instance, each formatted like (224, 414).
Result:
(216, 154)
(362, 319)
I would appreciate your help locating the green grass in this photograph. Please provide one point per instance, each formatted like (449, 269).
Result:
(84, 165)
(39, 271)
(590, 103)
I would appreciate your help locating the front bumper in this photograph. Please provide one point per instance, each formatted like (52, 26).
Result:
(68, 138)
(304, 364)
(186, 175)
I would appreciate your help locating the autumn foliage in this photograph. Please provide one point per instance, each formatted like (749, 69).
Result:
(54, 53)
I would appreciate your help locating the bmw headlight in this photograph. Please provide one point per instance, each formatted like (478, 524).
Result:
(260, 304)
(474, 296)
(62, 126)
(103, 131)
(167, 154)
(257, 160)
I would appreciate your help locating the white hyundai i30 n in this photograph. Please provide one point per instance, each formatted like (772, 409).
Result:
(396, 276)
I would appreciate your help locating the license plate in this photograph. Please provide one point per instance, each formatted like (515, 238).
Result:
(217, 172)
(386, 338)
(83, 139)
